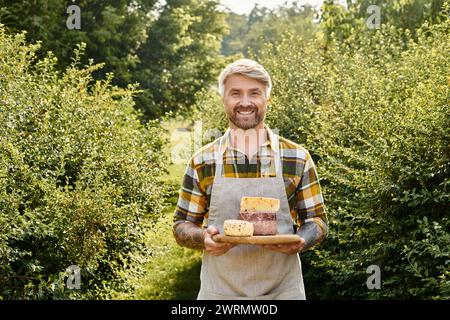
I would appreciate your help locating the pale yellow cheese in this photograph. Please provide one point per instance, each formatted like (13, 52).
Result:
(259, 204)
(237, 228)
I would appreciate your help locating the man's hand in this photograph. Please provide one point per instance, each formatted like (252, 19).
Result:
(287, 248)
(215, 248)
(309, 235)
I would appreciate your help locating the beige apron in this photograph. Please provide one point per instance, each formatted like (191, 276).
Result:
(249, 271)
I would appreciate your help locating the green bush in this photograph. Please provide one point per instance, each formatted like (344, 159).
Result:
(375, 117)
(384, 141)
(77, 177)
(209, 112)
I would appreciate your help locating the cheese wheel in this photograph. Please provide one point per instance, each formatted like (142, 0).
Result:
(237, 228)
(259, 204)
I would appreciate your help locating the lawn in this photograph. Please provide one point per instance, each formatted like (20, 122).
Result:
(173, 272)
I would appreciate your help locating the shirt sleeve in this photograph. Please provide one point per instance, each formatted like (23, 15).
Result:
(192, 201)
(309, 205)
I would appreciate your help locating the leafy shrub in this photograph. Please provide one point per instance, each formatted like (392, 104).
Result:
(77, 177)
(209, 112)
(384, 141)
(377, 118)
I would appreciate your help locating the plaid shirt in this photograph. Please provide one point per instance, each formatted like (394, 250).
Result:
(299, 175)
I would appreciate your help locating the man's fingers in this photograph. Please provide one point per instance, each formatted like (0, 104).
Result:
(212, 230)
(217, 251)
(213, 247)
(285, 248)
(210, 242)
(213, 244)
(208, 233)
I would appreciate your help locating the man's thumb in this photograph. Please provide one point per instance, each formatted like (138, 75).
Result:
(212, 230)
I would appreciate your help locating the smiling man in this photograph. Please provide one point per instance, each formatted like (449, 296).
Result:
(249, 160)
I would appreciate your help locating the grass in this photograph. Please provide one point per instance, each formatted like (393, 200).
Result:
(173, 271)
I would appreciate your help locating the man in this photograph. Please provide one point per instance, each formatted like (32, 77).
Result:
(249, 160)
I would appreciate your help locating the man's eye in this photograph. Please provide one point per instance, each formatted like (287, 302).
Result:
(256, 94)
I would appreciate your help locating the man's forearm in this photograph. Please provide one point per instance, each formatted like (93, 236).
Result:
(312, 234)
(189, 235)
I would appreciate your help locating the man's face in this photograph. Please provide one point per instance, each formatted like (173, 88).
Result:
(245, 102)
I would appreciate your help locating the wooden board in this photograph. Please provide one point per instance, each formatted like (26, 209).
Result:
(275, 239)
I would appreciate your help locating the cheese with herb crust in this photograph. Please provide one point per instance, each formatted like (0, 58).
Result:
(259, 204)
(237, 228)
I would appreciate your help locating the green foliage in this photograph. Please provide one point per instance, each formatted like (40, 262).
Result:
(112, 30)
(77, 177)
(180, 56)
(376, 116)
(174, 271)
(374, 113)
(210, 113)
(296, 90)
(172, 50)
(233, 41)
(350, 24)
(384, 145)
(249, 34)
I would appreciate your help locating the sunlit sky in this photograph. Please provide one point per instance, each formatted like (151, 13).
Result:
(245, 6)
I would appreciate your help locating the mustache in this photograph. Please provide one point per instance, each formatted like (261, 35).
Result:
(250, 108)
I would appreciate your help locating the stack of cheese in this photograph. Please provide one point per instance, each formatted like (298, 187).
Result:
(257, 216)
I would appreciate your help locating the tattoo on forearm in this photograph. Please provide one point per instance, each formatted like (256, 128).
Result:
(189, 235)
(312, 234)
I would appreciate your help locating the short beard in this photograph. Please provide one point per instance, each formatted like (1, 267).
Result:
(246, 125)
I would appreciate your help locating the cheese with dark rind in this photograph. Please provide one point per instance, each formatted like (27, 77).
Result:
(259, 204)
(237, 228)
(264, 223)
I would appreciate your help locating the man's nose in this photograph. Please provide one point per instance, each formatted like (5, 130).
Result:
(245, 101)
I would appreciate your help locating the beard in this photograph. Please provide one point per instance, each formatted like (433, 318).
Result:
(246, 122)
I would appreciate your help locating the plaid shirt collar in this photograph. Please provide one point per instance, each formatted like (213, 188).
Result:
(271, 136)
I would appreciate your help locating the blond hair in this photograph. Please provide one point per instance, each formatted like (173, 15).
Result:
(247, 68)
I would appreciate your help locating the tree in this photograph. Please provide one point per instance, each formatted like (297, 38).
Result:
(172, 50)
(233, 42)
(345, 23)
(112, 30)
(180, 56)
(267, 26)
